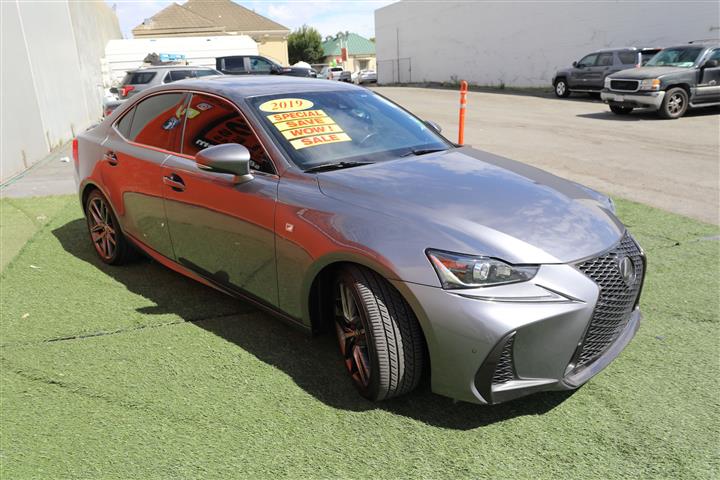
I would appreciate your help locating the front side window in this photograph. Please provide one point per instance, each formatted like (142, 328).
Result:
(155, 121)
(317, 128)
(175, 75)
(588, 60)
(211, 121)
(206, 73)
(684, 57)
(604, 59)
(715, 55)
(260, 65)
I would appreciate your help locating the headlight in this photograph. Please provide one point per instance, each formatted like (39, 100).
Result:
(465, 271)
(607, 82)
(650, 84)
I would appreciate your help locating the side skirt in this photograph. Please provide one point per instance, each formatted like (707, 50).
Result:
(203, 277)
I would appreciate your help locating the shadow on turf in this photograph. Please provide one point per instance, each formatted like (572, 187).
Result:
(313, 363)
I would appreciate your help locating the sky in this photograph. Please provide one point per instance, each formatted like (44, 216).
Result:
(329, 16)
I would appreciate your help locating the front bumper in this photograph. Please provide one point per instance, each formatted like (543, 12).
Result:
(547, 319)
(636, 99)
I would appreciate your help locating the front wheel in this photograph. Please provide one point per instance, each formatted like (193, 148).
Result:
(561, 88)
(675, 103)
(380, 339)
(620, 110)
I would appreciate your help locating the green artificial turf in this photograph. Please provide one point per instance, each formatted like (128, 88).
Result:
(137, 372)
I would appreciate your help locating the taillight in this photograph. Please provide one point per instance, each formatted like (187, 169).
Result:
(75, 152)
(124, 90)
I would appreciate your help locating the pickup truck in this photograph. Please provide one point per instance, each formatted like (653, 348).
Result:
(675, 79)
(258, 65)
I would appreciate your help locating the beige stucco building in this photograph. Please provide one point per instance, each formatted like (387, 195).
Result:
(217, 17)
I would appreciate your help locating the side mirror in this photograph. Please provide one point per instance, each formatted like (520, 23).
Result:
(575, 64)
(114, 90)
(229, 158)
(433, 125)
(711, 64)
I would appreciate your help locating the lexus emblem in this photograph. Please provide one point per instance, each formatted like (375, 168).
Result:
(627, 270)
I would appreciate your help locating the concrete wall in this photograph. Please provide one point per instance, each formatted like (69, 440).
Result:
(524, 43)
(51, 75)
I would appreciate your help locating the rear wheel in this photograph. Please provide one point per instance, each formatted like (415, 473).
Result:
(675, 103)
(561, 88)
(620, 110)
(110, 244)
(379, 337)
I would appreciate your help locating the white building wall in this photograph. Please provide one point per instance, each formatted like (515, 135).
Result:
(50, 65)
(523, 43)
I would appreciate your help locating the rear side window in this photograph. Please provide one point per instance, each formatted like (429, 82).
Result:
(628, 58)
(234, 64)
(125, 123)
(138, 78)
(212, 121)
(156, 121)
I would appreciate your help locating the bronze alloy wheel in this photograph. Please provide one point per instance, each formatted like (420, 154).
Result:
(102, 229)
(380, 340)
(105, 234)
(352, 335)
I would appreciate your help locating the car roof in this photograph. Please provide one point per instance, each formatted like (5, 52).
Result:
(240, 87)
(625, 49)
(170, 67)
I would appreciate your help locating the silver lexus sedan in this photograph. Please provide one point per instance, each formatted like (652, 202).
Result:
(338, 210)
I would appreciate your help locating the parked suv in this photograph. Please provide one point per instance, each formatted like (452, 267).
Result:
(258, 65)
(145, 77)
(588, 74)
(674, 80)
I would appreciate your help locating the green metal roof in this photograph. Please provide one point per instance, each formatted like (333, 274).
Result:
(355, 44)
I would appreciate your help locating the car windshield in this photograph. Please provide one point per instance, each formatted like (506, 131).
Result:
(321, 128)
(675, 57)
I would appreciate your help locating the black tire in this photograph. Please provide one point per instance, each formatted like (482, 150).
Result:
(105, 234)
(562, 90)
(675, 103)
(386, 337)
(620, 110)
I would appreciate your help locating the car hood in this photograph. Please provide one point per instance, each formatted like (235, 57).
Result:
(647, 72)
(473, 202)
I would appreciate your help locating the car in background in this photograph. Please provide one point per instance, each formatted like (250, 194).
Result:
(135, 81)
(677, 78)
(110, 105)
(341, 212)
(364, 76)
(588, 74)
(258, 65)
(335, 73)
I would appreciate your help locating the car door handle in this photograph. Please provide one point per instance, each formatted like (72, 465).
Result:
(175, 182)
(111, 158)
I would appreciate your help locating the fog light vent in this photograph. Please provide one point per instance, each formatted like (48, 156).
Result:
(505, 369)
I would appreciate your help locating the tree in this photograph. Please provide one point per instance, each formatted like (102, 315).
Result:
(305, 44)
